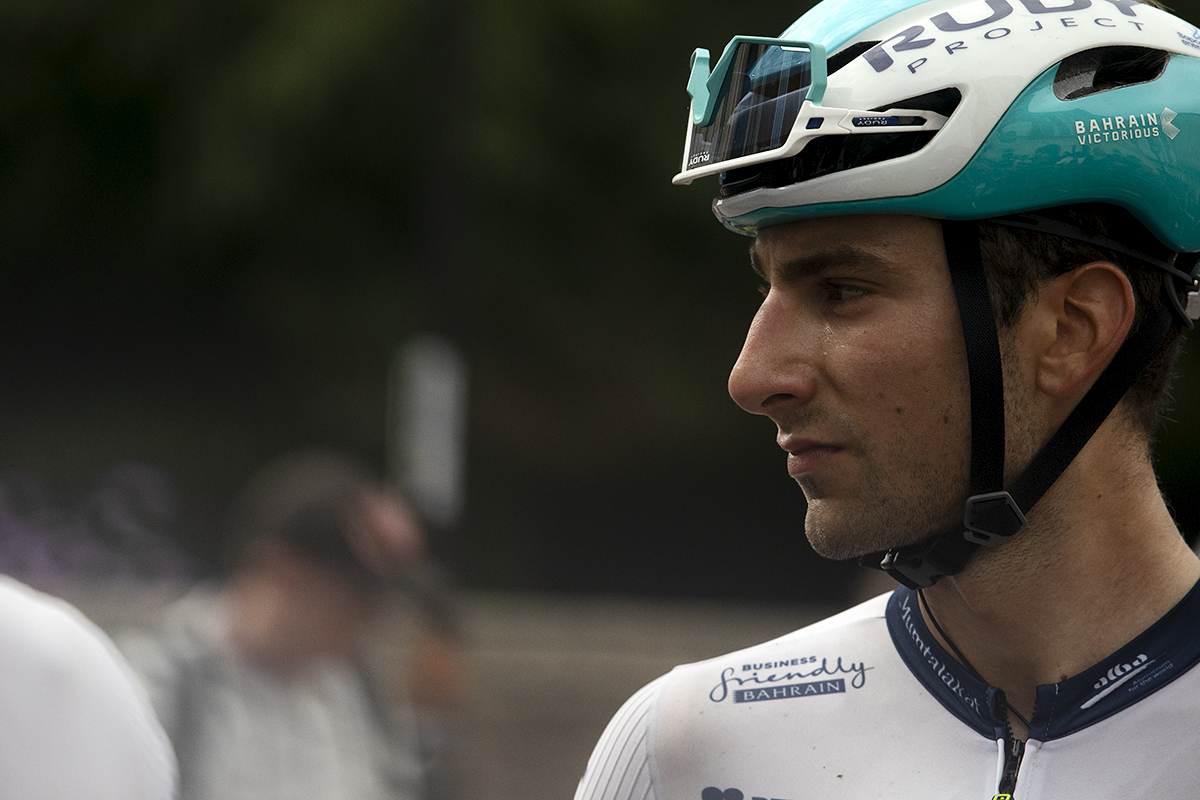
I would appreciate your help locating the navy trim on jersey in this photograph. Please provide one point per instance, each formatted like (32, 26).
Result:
(963, 695)
(1163, 652)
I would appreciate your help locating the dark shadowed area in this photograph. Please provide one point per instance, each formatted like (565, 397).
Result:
(220, 220)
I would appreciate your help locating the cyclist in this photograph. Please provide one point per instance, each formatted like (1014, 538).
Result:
(977, 224)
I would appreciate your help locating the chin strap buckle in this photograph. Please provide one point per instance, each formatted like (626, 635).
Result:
(921, 565)
(992, 519)
(914, 575)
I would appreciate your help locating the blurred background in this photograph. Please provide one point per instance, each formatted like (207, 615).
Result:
(226, 225)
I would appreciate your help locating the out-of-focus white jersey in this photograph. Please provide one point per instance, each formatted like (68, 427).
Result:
(244, 732)
(866, 705)
(74, 722)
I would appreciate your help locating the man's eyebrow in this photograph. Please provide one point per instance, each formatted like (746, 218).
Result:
(756, 262)
(817, 262)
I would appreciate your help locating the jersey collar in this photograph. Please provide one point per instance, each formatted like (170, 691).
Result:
(1159, 655)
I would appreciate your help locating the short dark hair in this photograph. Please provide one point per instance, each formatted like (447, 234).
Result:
(1017, 262)
(306, 501)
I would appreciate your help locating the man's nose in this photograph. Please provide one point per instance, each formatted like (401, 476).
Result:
(773, 368)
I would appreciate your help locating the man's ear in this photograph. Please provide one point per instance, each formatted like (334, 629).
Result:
(1085, 316)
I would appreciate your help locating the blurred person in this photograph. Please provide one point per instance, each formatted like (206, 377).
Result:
(76, 724)
(434, 676)
(263, 685)
(977, 228)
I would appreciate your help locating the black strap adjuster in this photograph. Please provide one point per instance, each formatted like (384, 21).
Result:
(992, 519)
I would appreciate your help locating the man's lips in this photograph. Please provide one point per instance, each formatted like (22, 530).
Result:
(805, 455)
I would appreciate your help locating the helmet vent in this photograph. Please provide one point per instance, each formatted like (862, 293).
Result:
(844, 57)
(1106, 68)
(837, 153)
(943, 102)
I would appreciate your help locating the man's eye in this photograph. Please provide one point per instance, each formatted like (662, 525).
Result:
(844, 292)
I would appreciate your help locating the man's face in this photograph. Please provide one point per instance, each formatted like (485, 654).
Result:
(857, 355)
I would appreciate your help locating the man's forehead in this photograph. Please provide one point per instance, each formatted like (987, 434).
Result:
(869, 239)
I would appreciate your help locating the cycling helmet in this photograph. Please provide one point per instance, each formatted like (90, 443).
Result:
(970, 110)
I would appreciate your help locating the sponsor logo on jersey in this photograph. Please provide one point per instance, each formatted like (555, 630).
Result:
(713, 793)
(1059, 17)
(789, 679)
(1124, 674)
(944, 674)
(789, 691)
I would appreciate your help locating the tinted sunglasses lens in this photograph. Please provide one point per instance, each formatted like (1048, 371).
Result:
(757, 104)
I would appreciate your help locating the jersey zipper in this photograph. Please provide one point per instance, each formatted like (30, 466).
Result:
(1014, 750)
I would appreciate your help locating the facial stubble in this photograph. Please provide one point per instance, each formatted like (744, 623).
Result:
(906, 491)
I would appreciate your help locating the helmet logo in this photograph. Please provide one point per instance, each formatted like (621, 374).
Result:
(1170, 130)
(947, 23)
(1124, 128)
(881, 56)
(1191, 40)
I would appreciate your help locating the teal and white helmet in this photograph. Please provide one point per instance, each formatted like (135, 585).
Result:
(955, 109)
(968, 110)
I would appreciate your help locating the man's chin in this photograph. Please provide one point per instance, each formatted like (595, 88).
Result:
(845, 542)
(838, 550)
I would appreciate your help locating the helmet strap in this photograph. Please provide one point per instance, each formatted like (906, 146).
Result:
(994, 515)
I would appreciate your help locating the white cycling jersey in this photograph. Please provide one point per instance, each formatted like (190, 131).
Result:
(866, 704)
(75, 724)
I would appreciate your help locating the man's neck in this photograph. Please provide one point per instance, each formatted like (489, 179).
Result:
(1100, 563)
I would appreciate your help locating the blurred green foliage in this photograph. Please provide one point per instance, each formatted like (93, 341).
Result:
(220, 219)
